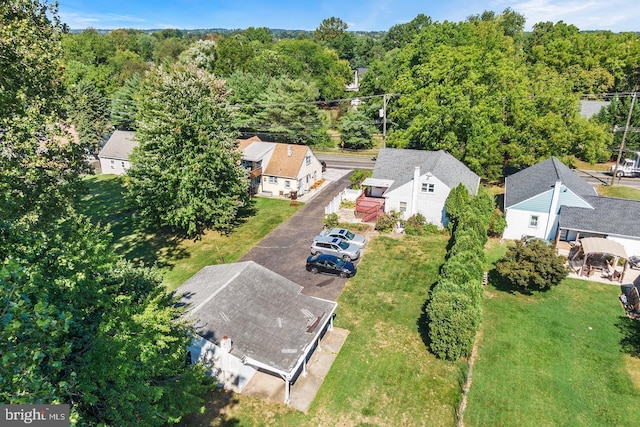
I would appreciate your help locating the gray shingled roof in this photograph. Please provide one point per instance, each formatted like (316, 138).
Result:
(264, 314)
(608, 216)
(398, 165)
(542, 177)
(589, 108)
(119, 146)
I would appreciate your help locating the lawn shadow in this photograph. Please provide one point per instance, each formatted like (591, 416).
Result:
(630, 330)
(217, 403)
(423, 321)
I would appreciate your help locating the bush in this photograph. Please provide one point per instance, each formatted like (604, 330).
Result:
(331, 220)
(473, 288)
(387, 221)
(456, 203)
(464, 266)
(414, 226)
(497, 224)
(349, 204)
(534, 266)
(453, 323)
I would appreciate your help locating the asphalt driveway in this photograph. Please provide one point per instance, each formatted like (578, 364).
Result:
(285, 249)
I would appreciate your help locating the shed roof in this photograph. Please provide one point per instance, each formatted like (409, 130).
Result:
(609, 216)
(399, 164)
(119, 146)
(542, 177)
(266, 316)
(257, 150)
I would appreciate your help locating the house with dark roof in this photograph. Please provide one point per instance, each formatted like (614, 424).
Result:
(411, 182)
(533, 198)
(249, 319)
(277, 169)
(550, 201)
(114, 156)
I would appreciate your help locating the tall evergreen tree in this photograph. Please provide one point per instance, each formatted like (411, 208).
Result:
(124, 107)
(90, 114)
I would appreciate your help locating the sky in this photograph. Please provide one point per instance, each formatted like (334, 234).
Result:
(360, 15)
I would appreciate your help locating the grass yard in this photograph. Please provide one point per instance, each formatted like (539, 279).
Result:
(384, 375)
(178, 259)
(620, 191)
(563, 357)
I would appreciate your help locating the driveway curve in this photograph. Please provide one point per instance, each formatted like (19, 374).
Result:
(286, 248)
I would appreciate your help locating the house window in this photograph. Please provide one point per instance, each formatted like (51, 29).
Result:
(308, 160)
(533, 221)
(122, 165)
(287, 184)
(428, 187)
(113, 164)
(315, 175)
(403, 206)
(273, 180)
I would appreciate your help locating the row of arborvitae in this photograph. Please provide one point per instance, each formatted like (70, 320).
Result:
(455, 308)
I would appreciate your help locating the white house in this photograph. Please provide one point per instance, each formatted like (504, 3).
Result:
(279, 169)
(533, 198)
(414, 181)
(114, 156)
(550, 201)
(250, 319)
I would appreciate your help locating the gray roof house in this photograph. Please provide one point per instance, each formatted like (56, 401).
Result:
(550, 201)
(114, 156)
(249, 318)
(415, 181)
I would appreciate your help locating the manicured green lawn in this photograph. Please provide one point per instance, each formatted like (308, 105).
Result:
(384, 374)
(178, 259)
(553, 358)
(620, 191)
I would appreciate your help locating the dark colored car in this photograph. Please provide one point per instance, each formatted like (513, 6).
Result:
(324, 165)
(634, 261)
(330, 264)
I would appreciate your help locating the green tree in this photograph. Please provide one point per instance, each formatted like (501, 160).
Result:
(456, 203)
(356, 130)
(124, 107)
(90, 114)
(534, 266)
(287, 114)
(186, 172)
(330, 29)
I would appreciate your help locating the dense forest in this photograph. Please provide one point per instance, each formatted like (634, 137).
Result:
(484, 89)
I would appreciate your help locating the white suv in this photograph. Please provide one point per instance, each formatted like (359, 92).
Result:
(335, 246)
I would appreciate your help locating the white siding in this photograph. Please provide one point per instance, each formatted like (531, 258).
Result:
(226, 368)
(518, 224)
(114, 166)
(431, 205)
(631, 245)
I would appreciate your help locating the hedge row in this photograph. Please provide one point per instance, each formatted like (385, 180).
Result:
(455, 308)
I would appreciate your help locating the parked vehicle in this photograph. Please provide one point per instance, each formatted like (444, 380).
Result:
(634, 261)
(330, 264)
(334, 246)
(628, 167)
(348, 236)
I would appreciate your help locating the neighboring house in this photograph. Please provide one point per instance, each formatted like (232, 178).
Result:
(114, 156)
(533, 198)
(411, 182)
(279, 169)
(250, 319)
(589, 108)
(550, 201)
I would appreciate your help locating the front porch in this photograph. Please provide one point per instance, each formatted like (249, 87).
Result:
(368, 208)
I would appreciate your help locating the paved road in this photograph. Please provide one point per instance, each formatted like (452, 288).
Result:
(347, 162)
(285, 249)
(596, 178)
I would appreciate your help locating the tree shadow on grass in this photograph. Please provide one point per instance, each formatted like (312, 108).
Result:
(217, 403)
(423, 321)
(630, 330)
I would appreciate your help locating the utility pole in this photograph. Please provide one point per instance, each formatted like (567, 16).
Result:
(383, 115)
(624, 137)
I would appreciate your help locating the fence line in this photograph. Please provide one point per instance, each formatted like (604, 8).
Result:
(346, 194)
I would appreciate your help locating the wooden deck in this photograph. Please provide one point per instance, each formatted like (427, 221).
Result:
(369, 209)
